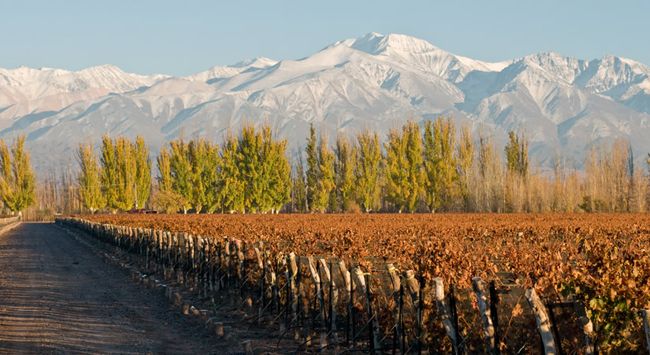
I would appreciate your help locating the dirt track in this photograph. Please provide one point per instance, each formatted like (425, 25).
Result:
(56, 296)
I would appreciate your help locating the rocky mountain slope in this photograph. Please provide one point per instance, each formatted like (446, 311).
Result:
(564, 105)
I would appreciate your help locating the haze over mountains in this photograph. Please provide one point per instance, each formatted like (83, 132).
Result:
(564, 105)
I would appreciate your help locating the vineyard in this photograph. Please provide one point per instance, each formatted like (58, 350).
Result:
(565, 283)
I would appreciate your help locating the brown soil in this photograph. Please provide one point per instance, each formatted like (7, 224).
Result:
(57, 296)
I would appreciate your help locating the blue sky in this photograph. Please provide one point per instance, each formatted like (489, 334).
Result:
(183, 37)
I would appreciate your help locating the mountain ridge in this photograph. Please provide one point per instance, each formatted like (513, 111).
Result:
(565, 105)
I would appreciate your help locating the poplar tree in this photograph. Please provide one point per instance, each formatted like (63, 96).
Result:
(231, 184)
(367, 171)
(439, 163)
(165, 197)
(278, 171)
(465, 164)
(299, 185)
(126, 174)
(181, 172)
(517, 154)
(414, 160)
(313, 167)
(203, 158)
(17, 181)
(325, 182)
(404, 176)
(89, 179)
(490, 194)
(142, 172)
(250, 168)
(344, 171)
(109, 173)
(396, 170)
(164, 170)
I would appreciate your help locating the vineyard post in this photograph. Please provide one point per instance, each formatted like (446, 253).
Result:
(395, 291)
(332, 296)
(295, 271)
(345, 275)
(375, 339)
(400, 319)
(239, 267)
(227, 263)
(262, 265)
(420, 314)
(543, 322)
(300, 309)
(587, 328)
(445, 313)
(276, 287)
(325, 276)
(486, 316)
(315, 275)
(219, 268)
(146, 258)
(245, 270)
(415, 290)
(494, 301)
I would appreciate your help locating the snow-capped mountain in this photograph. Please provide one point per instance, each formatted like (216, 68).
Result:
(564, 105)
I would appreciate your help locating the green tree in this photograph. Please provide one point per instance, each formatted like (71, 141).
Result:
(17, 181)
(126, 174)
(299, 185)
(414, 160)
(439, 163)
(89, 179)
(313, 167)
(465, 164)
(277, 172)
(404, 177)
(325, 184)
(344, 171)
(250, 168)
(109, 173)
(165, 198)
(181, 172)
(231, 185)
(517, 154)
(396, 170)
(203, 158)
(142, 172)
(367, 171)
(164, 171)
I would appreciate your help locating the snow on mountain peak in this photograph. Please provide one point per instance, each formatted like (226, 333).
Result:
(376, 43)
(258, 62)
(375, 81)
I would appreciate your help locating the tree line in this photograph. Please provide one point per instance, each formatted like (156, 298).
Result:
(437, 167)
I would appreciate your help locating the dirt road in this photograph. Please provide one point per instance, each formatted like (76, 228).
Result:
(56, 296)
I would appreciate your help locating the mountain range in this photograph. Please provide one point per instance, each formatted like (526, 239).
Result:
(564, 105)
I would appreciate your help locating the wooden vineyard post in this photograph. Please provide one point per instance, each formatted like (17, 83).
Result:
(587, 329)
(543, 322)
(486, 315)
(315, 276)
(363, 285)
(645, 315)
(292, 299)
(333, 295)
(397, 295)
(415, 290)
(444, 311)
(345, 275)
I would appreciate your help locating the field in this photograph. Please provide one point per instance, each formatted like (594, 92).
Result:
(600, 262)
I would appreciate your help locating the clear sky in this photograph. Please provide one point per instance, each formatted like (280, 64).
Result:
(183, 37)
